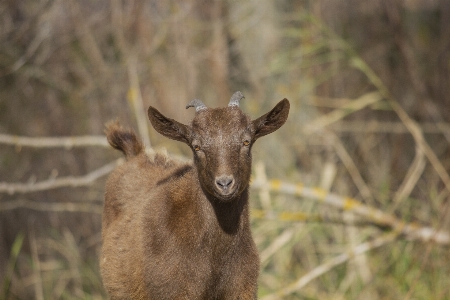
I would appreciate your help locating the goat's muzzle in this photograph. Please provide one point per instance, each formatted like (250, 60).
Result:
(225, 185)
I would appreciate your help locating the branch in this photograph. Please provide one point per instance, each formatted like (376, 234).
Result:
(52, 206)
(53, 142)
(52, 183)
(412, 230)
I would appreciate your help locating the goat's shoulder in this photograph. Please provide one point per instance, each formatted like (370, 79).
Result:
(149, 169)
(138, 181)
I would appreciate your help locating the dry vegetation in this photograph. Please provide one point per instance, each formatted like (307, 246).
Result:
(350, 198)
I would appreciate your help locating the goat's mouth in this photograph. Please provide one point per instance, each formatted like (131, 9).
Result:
(226, 194)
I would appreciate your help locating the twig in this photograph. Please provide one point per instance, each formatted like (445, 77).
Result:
(277, 244)
(52, 183)
(53, 142)
(135, 97)
(351, 167)
(327, 266)
(338, 114)
(412, 176)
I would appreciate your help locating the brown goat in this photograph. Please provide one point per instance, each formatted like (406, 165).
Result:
(176, 230)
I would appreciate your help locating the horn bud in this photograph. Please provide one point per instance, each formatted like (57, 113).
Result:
(234, 101)
(198, 104)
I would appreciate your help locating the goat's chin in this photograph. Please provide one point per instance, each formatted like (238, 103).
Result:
(226, 196)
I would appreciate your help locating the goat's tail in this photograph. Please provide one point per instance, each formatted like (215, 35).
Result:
(123, 139)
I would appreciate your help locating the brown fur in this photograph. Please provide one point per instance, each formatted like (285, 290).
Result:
(174, 230)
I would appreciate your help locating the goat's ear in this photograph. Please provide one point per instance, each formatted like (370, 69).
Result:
(273, 120)
(168, 127)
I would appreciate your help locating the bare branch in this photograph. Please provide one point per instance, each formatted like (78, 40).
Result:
(53, 183)
(52, 206)
(338, 114)
(411, 230)
(54, 142)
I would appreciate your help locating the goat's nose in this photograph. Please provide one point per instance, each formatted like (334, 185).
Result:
(224, 182)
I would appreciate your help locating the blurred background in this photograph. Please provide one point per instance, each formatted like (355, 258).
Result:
(368, 83)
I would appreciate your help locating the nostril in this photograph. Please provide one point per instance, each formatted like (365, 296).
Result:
(224, 182)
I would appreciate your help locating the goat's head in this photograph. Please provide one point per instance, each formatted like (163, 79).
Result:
(221, 140)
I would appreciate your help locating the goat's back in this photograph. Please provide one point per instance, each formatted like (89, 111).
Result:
(133, 197)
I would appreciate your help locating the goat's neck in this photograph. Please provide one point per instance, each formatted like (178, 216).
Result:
(232, 215)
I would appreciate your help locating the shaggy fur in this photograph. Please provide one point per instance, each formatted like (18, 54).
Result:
(175, 230)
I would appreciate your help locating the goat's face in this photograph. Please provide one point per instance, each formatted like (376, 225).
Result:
(221, 140)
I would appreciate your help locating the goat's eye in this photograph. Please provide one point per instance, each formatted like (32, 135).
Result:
(196, 147)
(246, 143)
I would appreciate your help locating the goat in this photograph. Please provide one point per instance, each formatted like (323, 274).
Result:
(180, 230)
